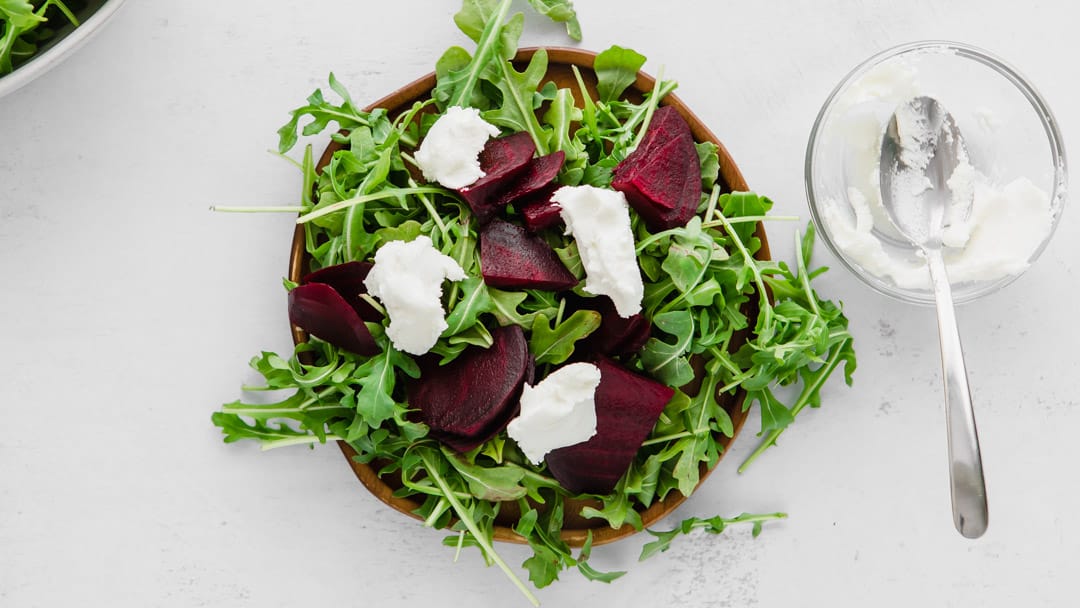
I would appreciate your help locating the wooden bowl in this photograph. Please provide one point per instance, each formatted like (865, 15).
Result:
(576, 527)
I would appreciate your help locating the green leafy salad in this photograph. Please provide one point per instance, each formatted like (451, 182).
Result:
(25, 26)
(742, 332)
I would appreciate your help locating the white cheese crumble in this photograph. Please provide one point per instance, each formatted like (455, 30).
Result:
(407, 278)
(450, 150)
(599, 219)
(560, 411)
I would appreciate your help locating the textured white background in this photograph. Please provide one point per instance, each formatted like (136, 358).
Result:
(130, 312)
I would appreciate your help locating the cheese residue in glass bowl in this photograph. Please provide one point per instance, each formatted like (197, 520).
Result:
(1014, 170)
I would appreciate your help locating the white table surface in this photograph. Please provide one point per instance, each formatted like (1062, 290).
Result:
(131, 311)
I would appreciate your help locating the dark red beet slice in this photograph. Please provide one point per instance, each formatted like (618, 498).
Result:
(536, 176)
(348, 280)
(470, 399)
(502, 160)
(666, 124)
(538, 210)
(627, 407)
(321, 311)
(512, 258)
(662, 178)
(616, 335)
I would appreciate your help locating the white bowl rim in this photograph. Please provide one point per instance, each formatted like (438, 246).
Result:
(52, 57)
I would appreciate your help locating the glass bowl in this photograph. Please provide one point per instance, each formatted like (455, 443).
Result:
(1011, 136)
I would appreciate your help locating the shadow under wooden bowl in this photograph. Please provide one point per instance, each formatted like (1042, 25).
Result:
(576, 528)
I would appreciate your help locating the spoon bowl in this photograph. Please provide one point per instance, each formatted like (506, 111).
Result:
(921, 151)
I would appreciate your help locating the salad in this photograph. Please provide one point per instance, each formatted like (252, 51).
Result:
(521, 302)
(26, 25)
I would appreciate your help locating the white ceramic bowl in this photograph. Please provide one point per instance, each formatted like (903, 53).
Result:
(55, 51)
(1008, 127)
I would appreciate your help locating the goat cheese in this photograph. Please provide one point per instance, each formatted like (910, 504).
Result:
(559, 411)
(1006, 224)
(407, 278)
(599, 219)
(450, 151)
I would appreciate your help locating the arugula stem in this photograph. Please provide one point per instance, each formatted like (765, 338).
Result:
(429, 206)
(766, 311)
(260, 209)
(374, 196)
(285, 157)
(300, 440)
(367, 297)
(470, 524)
(820, 375)
(666, 438)
(804, 278)
(654, 100)
(460, 545)
(751, 218)
(63, 9)
(278, 411)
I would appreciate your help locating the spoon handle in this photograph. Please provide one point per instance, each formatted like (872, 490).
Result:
(967, 486)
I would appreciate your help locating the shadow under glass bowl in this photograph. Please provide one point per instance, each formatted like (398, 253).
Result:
(1008, 127)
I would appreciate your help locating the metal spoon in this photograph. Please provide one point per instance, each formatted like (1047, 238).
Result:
(921, 148)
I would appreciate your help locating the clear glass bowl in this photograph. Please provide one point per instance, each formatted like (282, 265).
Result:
(1008, 128)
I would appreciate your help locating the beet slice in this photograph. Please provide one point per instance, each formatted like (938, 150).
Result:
(627, 408)
(539, 211)
(470, 399)
(538, 175)
(666, 124)
(502, 160)
(662, 178)
(512, 258)
(320, 310)
(348, 280)
(616, 335)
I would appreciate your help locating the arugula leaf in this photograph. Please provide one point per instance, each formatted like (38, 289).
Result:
(616, 69)
(556, 344)
(377, 378)
(560, 11)
(712, 525)
(666, 361)
(322, 113)
(587, 570)
(474, 301)
(709, 157)
(517, 111)
(488, 483)
(561, 116)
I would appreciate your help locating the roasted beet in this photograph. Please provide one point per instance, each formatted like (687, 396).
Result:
(470, 399)
(666, 124)
(539, 211)
(348, 280)
(512, 258)
(537, 176)
(662, 177)
(627, 408)
(502, 160)
(320, 310)
(616, 335)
